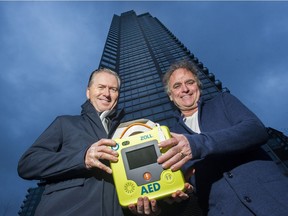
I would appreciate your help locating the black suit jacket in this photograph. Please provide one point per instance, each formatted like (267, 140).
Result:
(57, 157)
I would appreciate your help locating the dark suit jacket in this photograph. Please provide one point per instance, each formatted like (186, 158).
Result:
(234, 176)
(57, 157)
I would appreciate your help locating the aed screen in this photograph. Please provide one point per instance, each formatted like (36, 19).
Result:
(141, 157)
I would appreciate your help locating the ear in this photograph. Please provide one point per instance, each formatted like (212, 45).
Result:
(171, 99)
(88, 93)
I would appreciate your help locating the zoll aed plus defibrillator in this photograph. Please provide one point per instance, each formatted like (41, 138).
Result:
(137, 173)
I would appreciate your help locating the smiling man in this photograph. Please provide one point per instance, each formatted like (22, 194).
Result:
(103, 90)
(72, 156)
(185, 91)
(217, 143)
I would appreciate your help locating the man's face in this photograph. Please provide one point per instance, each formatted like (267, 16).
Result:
(103, 91)
(184, 91)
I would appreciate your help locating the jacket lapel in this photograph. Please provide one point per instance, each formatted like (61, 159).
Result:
(95, 122)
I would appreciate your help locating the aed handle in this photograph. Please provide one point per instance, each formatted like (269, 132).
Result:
(134, 124)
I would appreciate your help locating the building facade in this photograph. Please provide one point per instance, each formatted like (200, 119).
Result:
(140, 49)
(277, 148)
(31, 201)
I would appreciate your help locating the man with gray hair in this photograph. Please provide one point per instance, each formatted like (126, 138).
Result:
(217, 143)
(72, 156)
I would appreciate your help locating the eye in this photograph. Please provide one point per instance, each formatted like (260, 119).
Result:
(176, 86)
(101, 87)
(114, 90)
(190, 82)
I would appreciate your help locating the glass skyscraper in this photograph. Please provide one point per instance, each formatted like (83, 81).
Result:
(140, 49)
(277, 148)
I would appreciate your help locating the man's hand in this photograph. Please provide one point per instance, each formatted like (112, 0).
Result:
(179, 195)
(101, 151)
(178, 154)
(145, 207)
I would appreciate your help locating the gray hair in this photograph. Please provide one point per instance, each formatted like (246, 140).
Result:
(185, 64)
(105, 70)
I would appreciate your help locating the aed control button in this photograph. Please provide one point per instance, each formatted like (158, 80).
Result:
(116, 147)
(125, 143)
(147, 176)
(167, 176)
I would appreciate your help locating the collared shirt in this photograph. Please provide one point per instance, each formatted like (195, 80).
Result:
(104, 119)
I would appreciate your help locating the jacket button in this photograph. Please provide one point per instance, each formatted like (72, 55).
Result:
(247, 199)
(230, 175)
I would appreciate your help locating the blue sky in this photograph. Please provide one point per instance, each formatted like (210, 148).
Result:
(48, 49)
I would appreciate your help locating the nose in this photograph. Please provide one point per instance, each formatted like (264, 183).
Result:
(184, 88)
(106, 91)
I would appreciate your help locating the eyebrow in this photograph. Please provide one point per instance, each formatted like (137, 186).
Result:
(176, 83)
(110, 87)
(189, 80)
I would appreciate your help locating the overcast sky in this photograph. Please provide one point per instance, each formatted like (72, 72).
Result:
(48, 49)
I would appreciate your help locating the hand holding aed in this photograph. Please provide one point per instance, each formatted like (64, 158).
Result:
(178, 154)
(145, 206)
(179, 195)
(98, 151)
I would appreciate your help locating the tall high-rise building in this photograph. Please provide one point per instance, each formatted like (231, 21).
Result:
(277, 148)
(140, 48)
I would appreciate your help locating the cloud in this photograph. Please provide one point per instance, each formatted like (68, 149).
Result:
(47, 58)
(271, 83)
(267, 97)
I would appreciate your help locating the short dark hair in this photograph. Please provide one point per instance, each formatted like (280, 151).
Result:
(186, 64)
(106, 70)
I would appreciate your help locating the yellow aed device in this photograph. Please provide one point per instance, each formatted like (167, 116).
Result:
(137, 173)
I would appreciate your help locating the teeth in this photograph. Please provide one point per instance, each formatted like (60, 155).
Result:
(185, 96)
(105, 100)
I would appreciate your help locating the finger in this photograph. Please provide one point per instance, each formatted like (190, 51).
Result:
(180, 196)
(110, 151)
(167, 143)
(154, 207)
(105, 156)
(176, 161)
(176, 196)
(95, 153)
(168, 154)
(98, 164)
(104, 153)
(100, 150)
(188, 188)
(132, 208)
(176, 166)
(106, 142)
(140, 205)
(147, 209)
